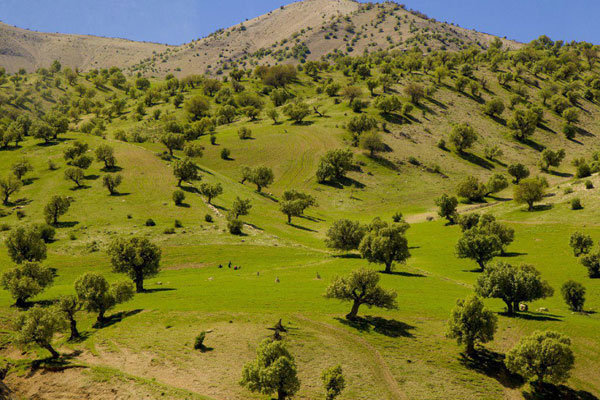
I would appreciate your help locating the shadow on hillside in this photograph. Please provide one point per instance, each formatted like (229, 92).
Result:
(552, 392)
(533, 316)
(437, 103)
(116, 318)
(66, 224)
(540, 207)
(384, 162)
(312, 219)
(55, 364)
(546, 128)
(29, 181)
(498, 119)
(268, 196)
(347, 255)
(405, 274)
(512, 254)
(475, 159)
(561, 174)
(301, 227)
(534, 145)
(189, 189)
(387, 327)
(491, 364)
(341, 183)
(120, 194)
(157, 290)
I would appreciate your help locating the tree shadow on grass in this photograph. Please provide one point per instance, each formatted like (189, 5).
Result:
(189, 189)
(347, 255)
(541, 207)
(111, 169)
(561, 174)
(534, 145)
(92, 177)
(29, 181)
(384, 162)
(205, 171)
(512, 254)
(66, 224)
(475, 159)
(301, 227)
(387, 327)
(491, 364)
(80, 187)
(533, 316)
(258, 228)
(116, 318)
(552, 392)
(405, 274)
(156, 290)
(120, 194)
(268, 196)
(56, 364)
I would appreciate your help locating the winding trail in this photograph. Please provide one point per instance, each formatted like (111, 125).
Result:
(376, 361)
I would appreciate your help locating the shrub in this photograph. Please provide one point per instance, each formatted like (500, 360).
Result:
(150, 222)
(397, 217)
(208, 218)
(225, 153)
(169, 231)
(46, 232)
(244, 133)
(589, 185)
(178, 224)
(178, 197)
(199, 341)
(576, 204)
(568, 190)
(235, 226)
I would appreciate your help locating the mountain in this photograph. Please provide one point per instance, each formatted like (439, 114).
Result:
(305, 30)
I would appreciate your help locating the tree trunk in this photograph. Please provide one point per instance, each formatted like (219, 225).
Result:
(74, 332)
(139, 284)
(352, 314)
(509, 307)
(388, 267)
(281, 395)
(179, 183)
(49, 347)
(289, 218)
(481, 265)
(101, 318)
(258, 188)
(470, 350)
(530, 206)
(21, 303)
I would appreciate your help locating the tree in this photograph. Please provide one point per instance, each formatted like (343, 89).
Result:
(82, 162)
(211, 86)
(513, 285)
(75, 150)
(69, 305)
(294, 203)
(137, 257)
(273, 114)
(494, 107)
(8, 186)
(142, 84)
(580, 243)
(462, 136)
(487, 224)
(471, 189)
(592, 263)
(273, 371)
(296, 111)
(385, 244)
(334, 165)
(551, 158)
(38, 325)
(574, 295)
(178, 197)
(447, 207)
(21, 168)
(240, 207)
(546, 356)
(25, 281)
(185, 170)
(105, 154)
(261, 177)
(470, 323)
(518, 171)
(529, 192)
(388, 104)
(361, 287)
(359, 124)
(96, 295)
(415, 91)
(211, 191)
(111, 182)
(372, 141)
(371, 85)
(478, 246)
(333, 381)
(523, 123)
(351, 93)
(345, 235)
(571, 115)
(197, 106)
(173, 141)
(57, 206)
(42, 130)
(495, 184)
(75, 174)
(25, 244)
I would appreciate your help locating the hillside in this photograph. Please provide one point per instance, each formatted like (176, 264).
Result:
(306, 30)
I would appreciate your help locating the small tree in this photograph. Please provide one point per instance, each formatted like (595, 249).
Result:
(273, 114)
(294, 203)
(513, 285)
(462, 136)
(334, 165)
(471, 189)
(351, 93)
(478, 246)
(8, 186)
(185, 170)
(574, 295)
(296, 111)
(173, 141)
(580, 243)
(372, 142)
(523, 123)
(25, 244)
(447, 207)
(240, 207)
(57, 206)
(75, 174)
(96, 295)
(385, 244)
(495, 184)
(415, 91)
(529, 192)
(345, 235)
(197, 106)
(361, 287)
(333, 381)
(211, 191)
(69, 306)
(178, 197)
(273, 371)
(105, 154)
(21, 168)
(471, 323)
(494, 107)
(261, 177)
(136, 257)
(551, 158)
(592, 263)
(38, 325)
(518, 171)
(546, 356)
(111, 182)
(25, 281)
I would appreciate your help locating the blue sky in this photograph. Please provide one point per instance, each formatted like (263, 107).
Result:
(179, 21)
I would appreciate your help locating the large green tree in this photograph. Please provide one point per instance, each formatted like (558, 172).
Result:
(137, 257)
(471, 323)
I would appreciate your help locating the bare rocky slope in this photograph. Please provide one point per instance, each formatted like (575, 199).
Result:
(303, 30)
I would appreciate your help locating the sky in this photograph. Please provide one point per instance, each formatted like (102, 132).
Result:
(180, 21)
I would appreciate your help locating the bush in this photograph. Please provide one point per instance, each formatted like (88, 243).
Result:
(235, 226)
(213, 139)
(568, 190)
(441, 144)
(589, 185)
(150, 222)
(178, 197)
(169, 231)
(397, 217)
(199, 341)
(178, 224)
(208, 218)
(46, 232)
(244, 133)
(576, 204)
(225, 153)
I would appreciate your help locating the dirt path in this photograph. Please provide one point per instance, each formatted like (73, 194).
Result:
(376, 361)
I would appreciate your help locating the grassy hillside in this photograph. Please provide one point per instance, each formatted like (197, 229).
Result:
(147, 345)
